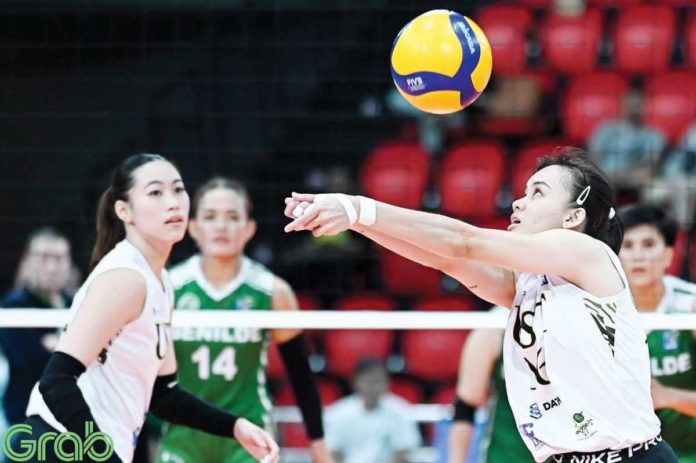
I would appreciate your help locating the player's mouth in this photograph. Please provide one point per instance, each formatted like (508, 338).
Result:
(177, 219)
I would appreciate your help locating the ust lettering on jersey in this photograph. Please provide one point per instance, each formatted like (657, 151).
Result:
(526, 332)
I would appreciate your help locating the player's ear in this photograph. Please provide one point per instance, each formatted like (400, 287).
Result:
(123, 212)
(575, 218)
(250, 229)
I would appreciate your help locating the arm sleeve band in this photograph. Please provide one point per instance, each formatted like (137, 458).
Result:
(63, 397)
(463, 411)
(173, 404)
(295, 354)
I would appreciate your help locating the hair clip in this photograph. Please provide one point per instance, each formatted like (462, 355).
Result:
(583, 196)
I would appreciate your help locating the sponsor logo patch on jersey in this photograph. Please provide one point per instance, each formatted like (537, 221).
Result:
(527, 430)
(583, 426)
(534, 411)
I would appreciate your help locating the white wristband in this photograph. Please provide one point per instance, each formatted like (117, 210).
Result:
(347, 206)
(368, 211)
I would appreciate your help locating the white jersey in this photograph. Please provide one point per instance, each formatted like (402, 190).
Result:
(679, 296)
(118, 385)
(577, 368)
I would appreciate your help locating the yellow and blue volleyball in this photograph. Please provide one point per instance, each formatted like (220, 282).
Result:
(441, 61)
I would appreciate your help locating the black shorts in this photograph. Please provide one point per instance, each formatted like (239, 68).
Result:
(38, 428)
(653, 451)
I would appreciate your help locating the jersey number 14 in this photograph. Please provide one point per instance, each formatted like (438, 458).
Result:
(224, 364)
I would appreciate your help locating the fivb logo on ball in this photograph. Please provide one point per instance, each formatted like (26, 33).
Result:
(35, 449)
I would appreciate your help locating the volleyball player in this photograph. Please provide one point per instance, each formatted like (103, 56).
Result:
(646, 253)
(573, 337)
(481, 382)
(227, 367)
(115, 360)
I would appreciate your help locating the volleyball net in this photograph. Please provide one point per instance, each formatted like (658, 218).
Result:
(330, 319)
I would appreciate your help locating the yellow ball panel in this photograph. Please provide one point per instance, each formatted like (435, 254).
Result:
(442, 102)
(482, 72)
(428, 43)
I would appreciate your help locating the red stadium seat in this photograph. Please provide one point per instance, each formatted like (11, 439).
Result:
(690, 34)
(680, 248)
(590, 100)
(345, 348)
(506, 28)
(644, 37)
(526, 161)
(571, 43)
(471, 177)
(614, 3)
(307, 302)
(671, 103)
(407, 389)
(401, 275)
(366, 302)
(276, 368)
(397, 173)
(433, 354)
(444, 303)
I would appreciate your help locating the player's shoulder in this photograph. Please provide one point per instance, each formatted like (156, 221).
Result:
(682, 294)
(184, 272)
(679, 286)
(258, 276)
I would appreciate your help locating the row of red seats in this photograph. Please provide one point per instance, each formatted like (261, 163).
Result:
(602, 3)
(643, 38)
(431, 355)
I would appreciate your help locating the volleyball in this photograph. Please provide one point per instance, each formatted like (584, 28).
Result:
(441, 61)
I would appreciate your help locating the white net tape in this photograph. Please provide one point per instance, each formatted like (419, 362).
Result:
(330, 319)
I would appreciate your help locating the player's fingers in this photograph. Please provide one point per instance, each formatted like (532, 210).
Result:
(300, 223)
(290, 207)
(303, 196)
(274, 451)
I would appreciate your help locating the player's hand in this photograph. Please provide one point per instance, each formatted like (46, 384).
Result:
(320, 452)
(256, 441)
(324, 215)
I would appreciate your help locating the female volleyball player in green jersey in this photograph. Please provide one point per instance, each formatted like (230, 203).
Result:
(227, 366)
(500, 441)
(646, 253)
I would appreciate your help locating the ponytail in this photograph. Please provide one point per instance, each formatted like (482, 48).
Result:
(612, 233)
(109, 228)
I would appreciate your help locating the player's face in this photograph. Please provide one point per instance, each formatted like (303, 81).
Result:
(644, 255)
(49, 263)
(545, 204)
(222, 227)
(158, 205)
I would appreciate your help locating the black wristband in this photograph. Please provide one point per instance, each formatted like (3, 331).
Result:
(177, 406)
(463, 411)
(295, 354)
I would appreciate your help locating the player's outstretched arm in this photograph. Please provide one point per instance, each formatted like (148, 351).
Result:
(574, 256)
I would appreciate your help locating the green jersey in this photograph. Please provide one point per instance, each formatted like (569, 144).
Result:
(223, 366)
(672, 356)
(502, 441)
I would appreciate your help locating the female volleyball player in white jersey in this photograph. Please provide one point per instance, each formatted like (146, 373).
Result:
(115, 360)
(573, 340)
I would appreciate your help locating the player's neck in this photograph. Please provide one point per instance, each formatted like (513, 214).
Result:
(219, 271)
(156, 253)
(647, 298)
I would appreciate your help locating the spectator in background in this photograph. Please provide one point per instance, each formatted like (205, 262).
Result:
(372, 425)
(43, 275)
(626, 149)
(675, 188)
